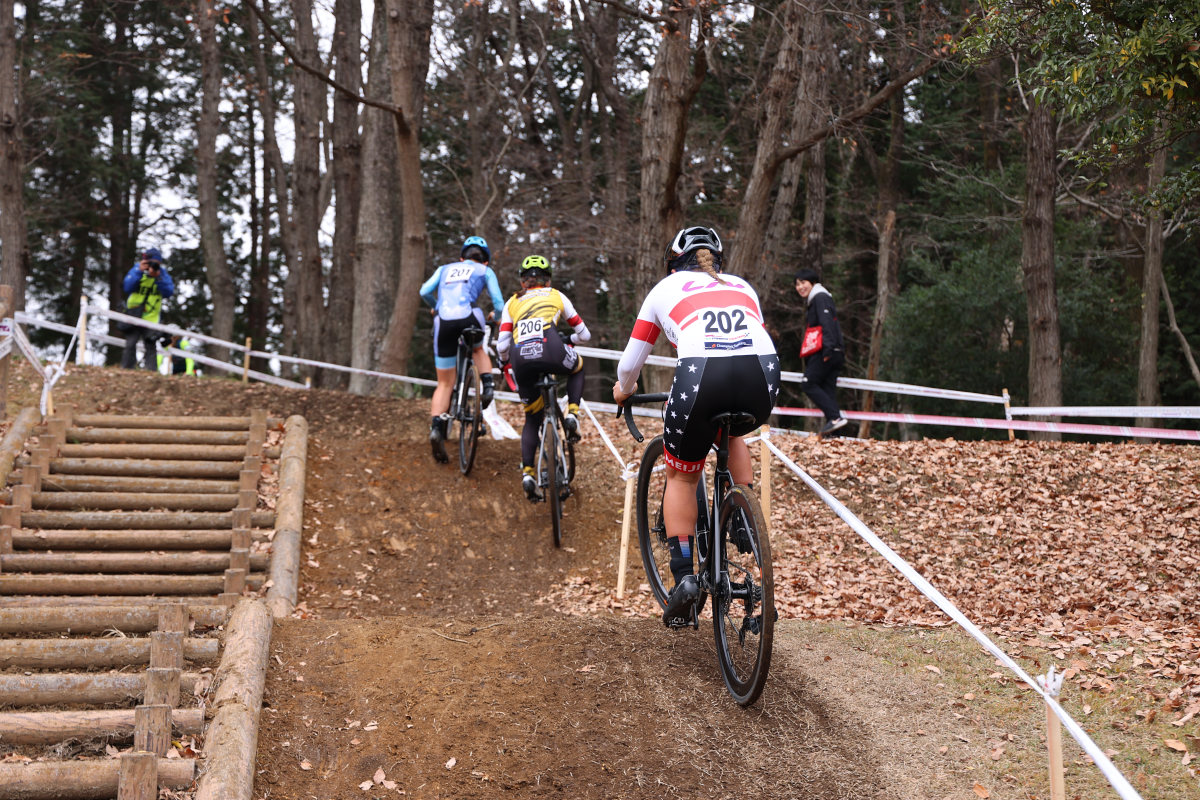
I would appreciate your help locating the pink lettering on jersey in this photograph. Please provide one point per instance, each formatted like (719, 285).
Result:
(688, 286)
(723, 299)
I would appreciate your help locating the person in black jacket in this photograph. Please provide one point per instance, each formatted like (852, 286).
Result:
(822, 349)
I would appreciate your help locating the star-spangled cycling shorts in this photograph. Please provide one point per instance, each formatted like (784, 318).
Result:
(705, 387)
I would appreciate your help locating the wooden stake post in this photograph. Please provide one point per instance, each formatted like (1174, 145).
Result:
(246, 362)
(1052, 683)
(764, 470)
(623, 560)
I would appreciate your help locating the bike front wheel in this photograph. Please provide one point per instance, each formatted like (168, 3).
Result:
(744, 600)
(470, 417)
(652, 530)
(553, 478)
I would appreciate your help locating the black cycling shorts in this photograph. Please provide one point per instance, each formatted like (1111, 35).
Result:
(532, 359)
(447, 331)
(705, 387)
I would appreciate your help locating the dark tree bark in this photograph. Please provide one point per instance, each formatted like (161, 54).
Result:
(887, 262)
(378, 245)
(675, 78)
(347, 185)
(748, 256)
(258, 302)
(306, 198)
(812, 103)
(216, 266)
(409, 27)
(1147, 383)
(14, 248)
(275, 176)
(1037, 262)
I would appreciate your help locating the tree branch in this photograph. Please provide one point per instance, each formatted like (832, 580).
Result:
(639, 14)
(1187, 350)
(322, 74)
(873, 102)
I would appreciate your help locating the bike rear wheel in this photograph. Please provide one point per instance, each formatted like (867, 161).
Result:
(744, 600)
(553, 478)
(470, 417)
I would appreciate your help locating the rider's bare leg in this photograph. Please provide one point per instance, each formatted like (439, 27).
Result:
(441, 395)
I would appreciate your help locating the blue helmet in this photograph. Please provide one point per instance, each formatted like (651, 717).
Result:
(476, 241)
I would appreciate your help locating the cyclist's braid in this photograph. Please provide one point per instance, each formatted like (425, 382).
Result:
(704, 258)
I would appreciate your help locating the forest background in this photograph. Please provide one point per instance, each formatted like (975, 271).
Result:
(998, 195)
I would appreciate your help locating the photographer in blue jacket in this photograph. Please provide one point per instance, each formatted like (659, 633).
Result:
(146, 286)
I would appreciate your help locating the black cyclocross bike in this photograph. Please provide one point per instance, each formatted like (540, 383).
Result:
(735, 561)
(466, 401)
(555, 464)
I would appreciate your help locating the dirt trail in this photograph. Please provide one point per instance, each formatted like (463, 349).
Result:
(422, 657)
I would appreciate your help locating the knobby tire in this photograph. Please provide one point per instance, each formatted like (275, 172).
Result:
(470, 418)
(744, 604)
(550, 443)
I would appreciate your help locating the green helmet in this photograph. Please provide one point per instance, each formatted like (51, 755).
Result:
(535, 266)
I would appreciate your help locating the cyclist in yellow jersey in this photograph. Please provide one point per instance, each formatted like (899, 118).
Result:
(530, 341)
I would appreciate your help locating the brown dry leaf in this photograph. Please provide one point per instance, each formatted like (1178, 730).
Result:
(943, 749)
(933, 669)
(1175, 744)
(366, 786)
(379, 776)
(450, 764)
(306, 764)
(981, 790)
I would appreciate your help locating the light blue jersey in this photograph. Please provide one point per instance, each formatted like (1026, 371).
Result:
(457, 286)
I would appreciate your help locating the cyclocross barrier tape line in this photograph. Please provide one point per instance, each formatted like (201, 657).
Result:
(587, 408)
(1114, 776)
(1124, 431)
(27, 350)
(174, 330)
(1150, 412)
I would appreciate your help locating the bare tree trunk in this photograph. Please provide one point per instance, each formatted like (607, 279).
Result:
(812, 104)
(1147, 385)
(674, 81)
(347, 180)
(378, 245)
(306, 199)
(216, 267)
(258, 301)
(748, 256)
(887, 178)
(13, 244)
(409, 26)
(275, 167)
(1037, 263)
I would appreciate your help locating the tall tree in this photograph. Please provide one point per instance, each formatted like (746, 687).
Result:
(409, 29)
(1037, 260)
(212, 240)
(347, 183)
(378, 245)
(14, 250)
(679, 69)
(1152, 277)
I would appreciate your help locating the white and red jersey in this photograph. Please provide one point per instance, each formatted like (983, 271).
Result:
(702, 317)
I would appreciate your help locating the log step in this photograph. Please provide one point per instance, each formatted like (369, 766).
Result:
(81, 688)
(165, 423)
(93, 779)
(145, 467)
(156, 563)
(132, 584)
(94, 601)
(90, 653)
(151, 539)
(129, 501)
(153, 436)
(111, 483)
(98, 619)
(50, 727)
(178, 452)
(140, 520)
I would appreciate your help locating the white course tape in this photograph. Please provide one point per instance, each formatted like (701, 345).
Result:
(1149, 412)
(1114, 776)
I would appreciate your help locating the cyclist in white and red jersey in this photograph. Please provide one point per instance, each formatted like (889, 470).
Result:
(726, 362)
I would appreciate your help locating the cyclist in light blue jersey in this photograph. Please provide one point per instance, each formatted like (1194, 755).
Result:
(452, 291)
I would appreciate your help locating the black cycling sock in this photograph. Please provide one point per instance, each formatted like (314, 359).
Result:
(681, 565)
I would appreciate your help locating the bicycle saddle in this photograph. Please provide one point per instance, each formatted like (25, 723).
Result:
(733, 419)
